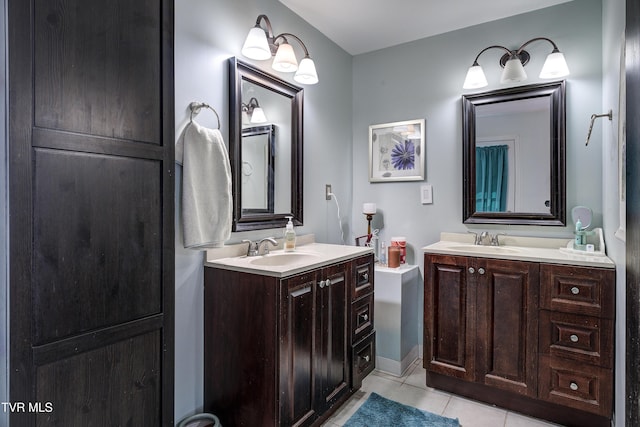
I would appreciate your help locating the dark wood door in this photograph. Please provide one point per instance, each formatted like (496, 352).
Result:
(507, 324)
(332, 357)
(298, 345)
(449, 306)
(632, 371)
(91, 206)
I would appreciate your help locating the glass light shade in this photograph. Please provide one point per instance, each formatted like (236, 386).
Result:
(475, 78)
(258, 116)
(285, 59)
(513, 71)
(369, 208)
(256, 45)
(555, 66)
(306, 73)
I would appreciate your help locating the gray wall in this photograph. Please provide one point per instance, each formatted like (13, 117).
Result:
(207, 33)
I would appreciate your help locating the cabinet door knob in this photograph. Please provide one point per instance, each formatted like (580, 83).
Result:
(573, 386)
(481, 270)
(472, 270)
(365, 277)
(322, 283)
(366, 358)
(327, 282)
(364, 317)
(573, 338)
(575, 290)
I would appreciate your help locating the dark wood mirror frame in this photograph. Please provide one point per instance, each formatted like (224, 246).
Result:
(557, 215)
(239, 71)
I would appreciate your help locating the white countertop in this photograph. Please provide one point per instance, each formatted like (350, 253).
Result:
(537, 249)
(311, 256)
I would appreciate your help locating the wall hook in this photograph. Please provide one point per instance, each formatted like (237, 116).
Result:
(593, 119)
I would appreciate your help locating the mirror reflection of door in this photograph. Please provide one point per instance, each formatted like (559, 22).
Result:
(277, 110)
(523, 126)
(258, 169)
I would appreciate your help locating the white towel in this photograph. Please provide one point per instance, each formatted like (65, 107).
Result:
(206, 188)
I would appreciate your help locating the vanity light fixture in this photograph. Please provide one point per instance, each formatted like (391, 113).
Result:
(261, 44)
(513, 62)
(254, 111)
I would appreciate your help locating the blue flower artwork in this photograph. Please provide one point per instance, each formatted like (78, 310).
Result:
(403, 155)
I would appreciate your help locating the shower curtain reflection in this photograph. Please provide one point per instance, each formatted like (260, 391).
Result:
(491, 178)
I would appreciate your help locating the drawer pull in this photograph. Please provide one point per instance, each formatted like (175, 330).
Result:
(575, 290)
(365, 277)
(573, 338)
(366, 358)
(472, 270)
(364, 317)
(573, 386)
(481, 270)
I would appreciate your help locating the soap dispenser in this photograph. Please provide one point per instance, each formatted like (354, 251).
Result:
(289, 236)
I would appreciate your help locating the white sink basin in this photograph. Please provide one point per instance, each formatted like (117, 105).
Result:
(283, 259)
(485, 249)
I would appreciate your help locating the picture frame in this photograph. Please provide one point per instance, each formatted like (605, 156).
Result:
(397, 151)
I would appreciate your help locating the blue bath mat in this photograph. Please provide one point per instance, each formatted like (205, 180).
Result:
(380, 412)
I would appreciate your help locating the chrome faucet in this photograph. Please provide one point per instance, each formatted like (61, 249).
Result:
(258, 248)
(265, 248)
(481, 238)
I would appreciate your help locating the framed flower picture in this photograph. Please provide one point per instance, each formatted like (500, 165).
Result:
(396, 151)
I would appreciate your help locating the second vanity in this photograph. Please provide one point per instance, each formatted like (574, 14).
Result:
(525, 326)
(289, 336)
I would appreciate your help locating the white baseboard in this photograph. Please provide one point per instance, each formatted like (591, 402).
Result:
(395, 367)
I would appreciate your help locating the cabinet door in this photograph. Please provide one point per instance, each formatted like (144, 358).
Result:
(507, 322)
(297, 347)
(449, 307)
(332, 361)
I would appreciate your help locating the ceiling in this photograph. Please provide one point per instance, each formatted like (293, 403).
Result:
(360, 26)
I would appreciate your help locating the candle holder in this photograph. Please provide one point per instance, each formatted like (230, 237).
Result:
(369, 210)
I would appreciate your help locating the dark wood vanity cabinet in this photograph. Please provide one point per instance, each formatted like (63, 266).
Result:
(280, 351)
(478, 328)
(533, 337)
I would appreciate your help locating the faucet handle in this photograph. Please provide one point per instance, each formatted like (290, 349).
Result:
(252, 248)
(478, 237)
(494, 239)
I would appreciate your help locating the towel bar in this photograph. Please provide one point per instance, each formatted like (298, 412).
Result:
(195, 108)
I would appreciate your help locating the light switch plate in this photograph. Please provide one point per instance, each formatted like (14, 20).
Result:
(426, 194)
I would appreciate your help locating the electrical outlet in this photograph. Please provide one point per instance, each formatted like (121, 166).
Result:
(327, 191)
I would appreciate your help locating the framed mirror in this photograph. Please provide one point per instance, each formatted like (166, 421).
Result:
(514, 156)
(265, 148)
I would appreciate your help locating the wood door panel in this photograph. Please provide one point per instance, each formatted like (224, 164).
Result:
(449, 298)
(89, 387)
(333, 368)
(297, 348)
(107, 268)
(98, 68)
(507, 315)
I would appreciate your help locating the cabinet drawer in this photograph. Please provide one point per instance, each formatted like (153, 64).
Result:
(362, 283)
(585, 387)
(363, 359)
(579, 290)
(583, 338)
(361, 318)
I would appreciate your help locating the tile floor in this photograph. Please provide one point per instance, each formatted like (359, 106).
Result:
(412, 390)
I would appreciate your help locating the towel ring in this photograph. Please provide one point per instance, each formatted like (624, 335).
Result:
(195, 108)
